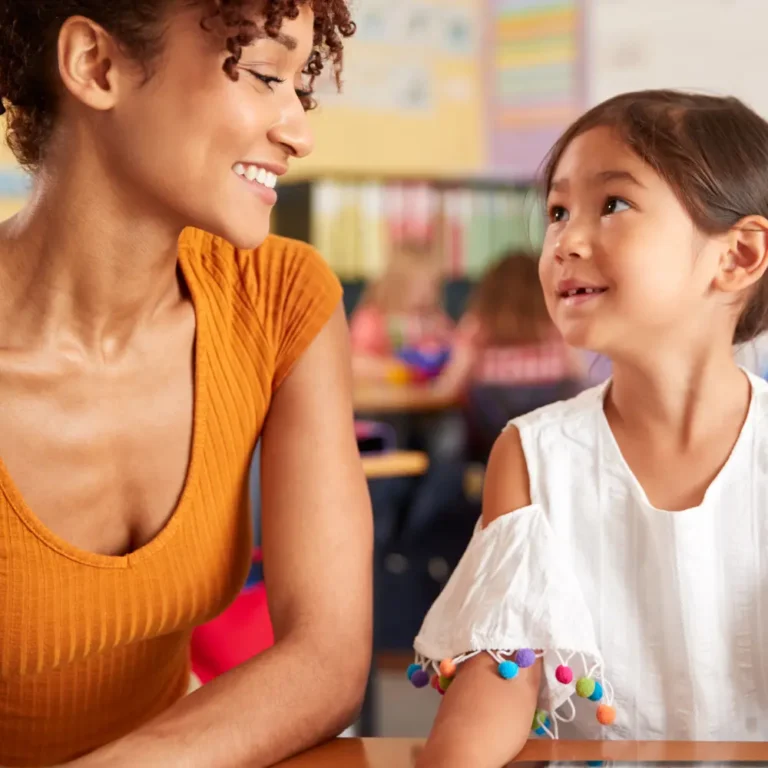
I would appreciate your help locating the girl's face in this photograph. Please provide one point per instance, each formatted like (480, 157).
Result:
(623, 265)
(194, 146)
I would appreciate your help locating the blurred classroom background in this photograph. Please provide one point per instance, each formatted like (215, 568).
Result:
(422, 184)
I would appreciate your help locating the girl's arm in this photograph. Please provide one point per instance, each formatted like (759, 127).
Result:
(454, 378)
(484, 720)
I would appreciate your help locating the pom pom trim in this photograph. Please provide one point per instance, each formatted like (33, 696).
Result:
(546, 723)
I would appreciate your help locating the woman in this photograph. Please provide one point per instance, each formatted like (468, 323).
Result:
(140, 360)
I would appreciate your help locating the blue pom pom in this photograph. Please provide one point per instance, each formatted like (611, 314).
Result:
(508, 669)
(412, 670)
(595, 762)
(598, 693)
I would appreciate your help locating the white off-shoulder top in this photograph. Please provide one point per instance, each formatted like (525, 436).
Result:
(651, 624)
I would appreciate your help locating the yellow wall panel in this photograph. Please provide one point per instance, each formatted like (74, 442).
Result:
(372, 129)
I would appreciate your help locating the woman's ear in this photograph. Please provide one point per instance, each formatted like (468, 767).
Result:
(87, 56)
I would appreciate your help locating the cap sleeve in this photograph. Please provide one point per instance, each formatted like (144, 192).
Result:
(513, 595)
(295, 293)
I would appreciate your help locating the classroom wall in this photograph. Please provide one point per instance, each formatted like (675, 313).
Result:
(412, 101)
(464, 88)
(716, 46)
(451, 88)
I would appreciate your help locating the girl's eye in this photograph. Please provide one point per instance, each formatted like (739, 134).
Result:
(615, 205)
(557, 213)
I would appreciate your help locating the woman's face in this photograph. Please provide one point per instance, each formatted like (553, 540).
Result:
(201, 149)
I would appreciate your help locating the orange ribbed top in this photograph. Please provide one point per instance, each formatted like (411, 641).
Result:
(91, 646)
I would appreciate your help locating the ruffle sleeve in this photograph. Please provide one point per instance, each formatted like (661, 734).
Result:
(515, 597)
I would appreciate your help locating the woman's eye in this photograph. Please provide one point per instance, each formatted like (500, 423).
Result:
(268, 80)
(615, 205)
(306, 97)
(557, 213)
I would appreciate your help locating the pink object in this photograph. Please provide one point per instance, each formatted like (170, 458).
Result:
(240, 633)
(564, 675)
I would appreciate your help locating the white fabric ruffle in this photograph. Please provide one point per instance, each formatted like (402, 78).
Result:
(513, 589)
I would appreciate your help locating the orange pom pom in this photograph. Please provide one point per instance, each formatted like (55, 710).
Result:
(606, 715)
(447, 668)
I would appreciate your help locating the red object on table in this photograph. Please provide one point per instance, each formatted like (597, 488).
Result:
(240, 633)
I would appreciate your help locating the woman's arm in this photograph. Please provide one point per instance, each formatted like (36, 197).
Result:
(484, 720)
(317, 538)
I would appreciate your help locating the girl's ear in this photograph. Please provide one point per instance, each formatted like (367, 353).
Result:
(745, 258)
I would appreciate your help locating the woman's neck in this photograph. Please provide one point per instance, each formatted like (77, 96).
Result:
(680, 397)
(82, 262)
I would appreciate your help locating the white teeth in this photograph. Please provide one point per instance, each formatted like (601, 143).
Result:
(576, 291)
(257, 174)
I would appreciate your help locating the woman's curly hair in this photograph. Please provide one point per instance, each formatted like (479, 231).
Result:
(29, 32)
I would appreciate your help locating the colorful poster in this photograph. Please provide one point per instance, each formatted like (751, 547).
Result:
(535, 71)
(14, 184)
(412, 100)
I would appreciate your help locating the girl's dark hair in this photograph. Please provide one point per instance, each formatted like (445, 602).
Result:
(29, 31)
(508, 302)
(713, 153)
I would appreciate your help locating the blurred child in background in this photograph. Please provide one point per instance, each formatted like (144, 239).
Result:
(400, 334)
(507, 357)
(401, 312)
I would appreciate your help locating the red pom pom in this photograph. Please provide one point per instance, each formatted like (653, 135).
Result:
(606, 715)
(435, 682)
(564, 674)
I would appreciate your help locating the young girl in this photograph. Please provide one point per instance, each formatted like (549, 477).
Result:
(402, 310)
(616, 585)
(507, 357)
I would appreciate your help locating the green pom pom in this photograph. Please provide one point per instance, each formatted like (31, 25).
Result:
(585, 687)
(444, 682)
(539, 719)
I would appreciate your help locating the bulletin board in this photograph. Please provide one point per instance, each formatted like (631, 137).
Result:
(13, 183)
(412, 102)
(535, 70)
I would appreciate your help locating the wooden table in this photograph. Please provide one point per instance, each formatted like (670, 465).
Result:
(395, 464)
(390, 398)
(401, 753)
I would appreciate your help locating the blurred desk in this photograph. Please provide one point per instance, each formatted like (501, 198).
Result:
(395, 464)
(406, 398)
(401, 753)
